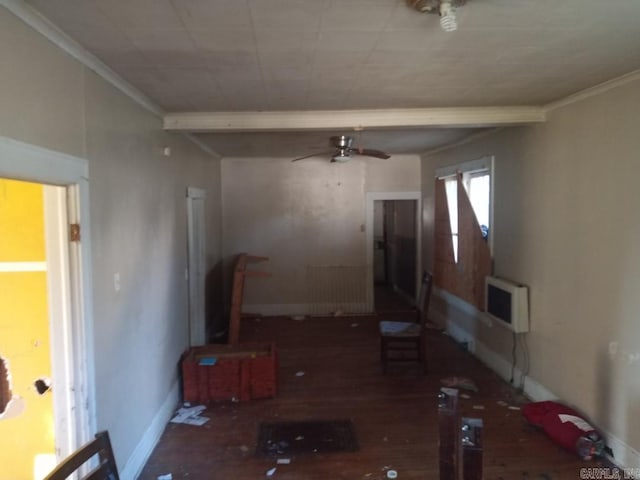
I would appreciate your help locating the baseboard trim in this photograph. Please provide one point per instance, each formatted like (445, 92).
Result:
(149, 440)
(625, 456)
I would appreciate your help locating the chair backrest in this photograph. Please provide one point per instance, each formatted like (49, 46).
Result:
(106, 468)
(424, 296)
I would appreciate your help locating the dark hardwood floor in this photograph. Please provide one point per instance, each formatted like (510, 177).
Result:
(394, 414)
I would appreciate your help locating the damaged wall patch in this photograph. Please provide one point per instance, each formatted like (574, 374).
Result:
(5, 386)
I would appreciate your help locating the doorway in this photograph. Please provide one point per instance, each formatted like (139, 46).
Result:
(393, 249)
(50, 376)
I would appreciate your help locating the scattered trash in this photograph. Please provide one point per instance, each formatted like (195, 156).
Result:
(337, 313)
(283, 461)
(299, 437)
(478, 407)
(367, 475)
(167, 476)
(244, 448)
(465, 396)
(300, 374)
(502, 403)
(271, 471)
(297, 317)
(463, 383)
(190, 416)
(566, 427)
(392, 474)
(513, 407)
(355, 325)
(208, 361)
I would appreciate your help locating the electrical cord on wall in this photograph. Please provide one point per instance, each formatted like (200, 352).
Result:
(525, 370)
(513, 357)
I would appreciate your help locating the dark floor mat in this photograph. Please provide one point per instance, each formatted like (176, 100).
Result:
(314, 436)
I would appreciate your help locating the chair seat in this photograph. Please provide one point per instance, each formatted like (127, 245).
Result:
(400, 329)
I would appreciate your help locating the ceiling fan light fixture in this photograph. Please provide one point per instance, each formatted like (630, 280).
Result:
(342, 157)
(448, 21)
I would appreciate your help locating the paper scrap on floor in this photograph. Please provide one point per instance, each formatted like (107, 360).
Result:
(190, 416)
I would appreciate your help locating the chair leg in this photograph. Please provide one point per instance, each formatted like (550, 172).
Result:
(383, 354)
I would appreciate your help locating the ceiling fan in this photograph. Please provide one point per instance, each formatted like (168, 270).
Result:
(445, 8)
(343, 150)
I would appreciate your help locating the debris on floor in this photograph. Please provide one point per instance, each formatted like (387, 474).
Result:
(502, 403)
(355, 325)
(190, 416)
(283, 461)
(391, 474)
(462, 383)
(271, 471)
(565, 427)
(208, 361)
(300, 374)
(465, 396)
(166, 476)
(478, 407)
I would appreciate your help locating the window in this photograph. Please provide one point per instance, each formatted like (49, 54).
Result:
(476, 178)
(478, 187)
(463, 226)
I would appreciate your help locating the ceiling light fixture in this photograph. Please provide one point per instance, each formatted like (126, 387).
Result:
(448, 21)
(445, 8)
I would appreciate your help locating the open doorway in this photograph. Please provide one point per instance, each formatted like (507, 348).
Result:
(393, 249)
(45, 296)
(395, 254)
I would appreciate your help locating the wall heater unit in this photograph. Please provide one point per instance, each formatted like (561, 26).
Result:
(507, 303)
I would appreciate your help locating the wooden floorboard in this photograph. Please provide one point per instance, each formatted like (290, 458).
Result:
(394, 414)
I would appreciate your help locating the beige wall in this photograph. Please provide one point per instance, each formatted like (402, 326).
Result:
(567, 225)
(308, 213)
(138, 219)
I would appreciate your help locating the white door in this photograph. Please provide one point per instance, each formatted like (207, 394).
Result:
(197, 266)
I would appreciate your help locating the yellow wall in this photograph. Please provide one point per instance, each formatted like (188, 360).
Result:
(24, 330)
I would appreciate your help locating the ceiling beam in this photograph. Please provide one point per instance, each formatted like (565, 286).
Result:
(353, 119)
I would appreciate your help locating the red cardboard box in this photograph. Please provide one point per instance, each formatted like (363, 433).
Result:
(242, 372)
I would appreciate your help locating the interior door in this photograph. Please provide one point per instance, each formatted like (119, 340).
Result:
(197, 266)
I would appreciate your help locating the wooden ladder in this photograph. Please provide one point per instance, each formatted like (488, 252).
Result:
(240, 272)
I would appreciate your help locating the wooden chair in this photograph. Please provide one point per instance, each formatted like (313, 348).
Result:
(402, 342)
(105, 470)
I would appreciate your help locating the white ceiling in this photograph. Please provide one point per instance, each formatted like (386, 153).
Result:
(301, 55)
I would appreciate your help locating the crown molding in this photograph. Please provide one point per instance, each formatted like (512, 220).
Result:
(51, 32)
(593, 91)
(353, 119)
(45, 27)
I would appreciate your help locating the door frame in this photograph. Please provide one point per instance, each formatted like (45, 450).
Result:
(197, 260)
(370, 198)
(69, 283)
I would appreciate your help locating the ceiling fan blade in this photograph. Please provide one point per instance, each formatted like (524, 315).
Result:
(317, 154)
(370, 153)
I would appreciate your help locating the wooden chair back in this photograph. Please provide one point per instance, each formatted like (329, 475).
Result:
(424, 297)
(105, 470)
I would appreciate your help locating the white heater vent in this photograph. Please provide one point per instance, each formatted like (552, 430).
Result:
(337, 289)
(507, 303)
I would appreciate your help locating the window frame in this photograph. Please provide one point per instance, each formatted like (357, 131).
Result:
(484, 164)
